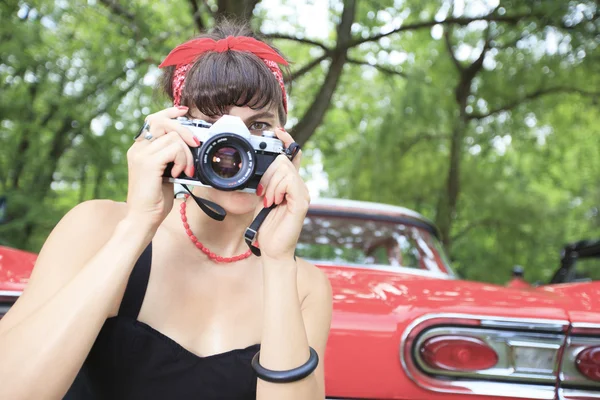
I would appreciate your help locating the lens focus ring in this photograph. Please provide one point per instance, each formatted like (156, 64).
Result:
(226, 161)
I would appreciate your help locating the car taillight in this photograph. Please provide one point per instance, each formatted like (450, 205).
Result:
(484, 353)
(458, 353)
(472, 355)
(588, 363)
(579, 376)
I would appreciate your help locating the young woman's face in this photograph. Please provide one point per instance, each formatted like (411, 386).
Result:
(257, 120)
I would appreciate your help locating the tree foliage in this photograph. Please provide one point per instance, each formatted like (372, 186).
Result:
(481, 115)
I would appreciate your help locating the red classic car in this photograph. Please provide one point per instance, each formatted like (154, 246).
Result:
(405, 327)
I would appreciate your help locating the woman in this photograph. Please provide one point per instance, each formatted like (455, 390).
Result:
(153, 299)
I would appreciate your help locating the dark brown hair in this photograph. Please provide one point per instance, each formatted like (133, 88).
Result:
(218, 81)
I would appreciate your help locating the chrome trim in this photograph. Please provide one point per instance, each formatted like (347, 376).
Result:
(533, 326)
(577, 394)
(585, 329)
(10, 293)
(368, 208)
(568, 371)
(504, 345)
(9, 296)
(192, 182)
(472, 387)
(382, 267)
(585, 325)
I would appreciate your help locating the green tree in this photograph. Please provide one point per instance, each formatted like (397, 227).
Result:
(466, 131)
(479, 115)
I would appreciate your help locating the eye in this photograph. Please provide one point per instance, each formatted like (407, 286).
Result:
(259, 126)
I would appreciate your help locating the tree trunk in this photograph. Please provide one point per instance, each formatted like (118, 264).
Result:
(24, 142)
(313, 117)
(446, 211)
(238, 9)
(97, 183)
(447, 205)
(82, 182)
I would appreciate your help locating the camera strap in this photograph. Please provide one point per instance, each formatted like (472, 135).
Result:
(211, 209)
(218, 213)
(251, 232)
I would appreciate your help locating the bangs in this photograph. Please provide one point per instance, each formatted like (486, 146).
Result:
(218, 81)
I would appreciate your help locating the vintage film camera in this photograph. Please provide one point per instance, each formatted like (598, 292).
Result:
(229, 156)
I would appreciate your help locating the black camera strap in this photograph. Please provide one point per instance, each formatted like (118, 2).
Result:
(210, 208)
(218, 213)
(292, 151)
(251, 232)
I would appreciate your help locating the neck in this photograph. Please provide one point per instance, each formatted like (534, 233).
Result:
(224, 238)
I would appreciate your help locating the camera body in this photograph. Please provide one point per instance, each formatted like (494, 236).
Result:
(229, 157)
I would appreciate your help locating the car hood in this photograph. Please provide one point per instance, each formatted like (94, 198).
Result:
(15, 268)
(373, 308)
(583, 300)
(384, 293)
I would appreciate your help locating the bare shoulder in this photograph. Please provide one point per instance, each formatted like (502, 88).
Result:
(104, 213)
(87, 222)
(73, 241)
(100, 209)
(313, 283)
(80, 233)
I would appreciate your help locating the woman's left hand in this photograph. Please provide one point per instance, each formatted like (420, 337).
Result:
(282, 185)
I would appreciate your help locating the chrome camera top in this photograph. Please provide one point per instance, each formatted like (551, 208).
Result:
(229, 156)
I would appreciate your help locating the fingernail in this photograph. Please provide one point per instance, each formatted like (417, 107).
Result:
(259, 190)
(282, 128)
(183, 108)
(191, 170)
(197, 141)
(265, 202)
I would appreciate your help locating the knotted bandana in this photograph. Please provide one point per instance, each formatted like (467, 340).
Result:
(184, 55)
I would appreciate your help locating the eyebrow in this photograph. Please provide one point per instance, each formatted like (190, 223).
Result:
(264, 114)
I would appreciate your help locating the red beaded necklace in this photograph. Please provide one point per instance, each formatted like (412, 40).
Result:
(200, 246)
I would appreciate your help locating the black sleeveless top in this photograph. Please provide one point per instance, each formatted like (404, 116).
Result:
(132, 360)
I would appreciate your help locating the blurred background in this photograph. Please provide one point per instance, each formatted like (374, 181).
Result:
(481, 115)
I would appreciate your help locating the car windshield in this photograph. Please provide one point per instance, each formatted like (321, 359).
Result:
(587, 269)
(346, 240)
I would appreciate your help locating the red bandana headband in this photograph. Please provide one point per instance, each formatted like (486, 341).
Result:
(184, 55)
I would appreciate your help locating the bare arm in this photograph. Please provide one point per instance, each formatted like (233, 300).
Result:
(82, 271)
(291, 326)
(79, 278)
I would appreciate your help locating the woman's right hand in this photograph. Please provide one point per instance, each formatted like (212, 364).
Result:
(149, 200)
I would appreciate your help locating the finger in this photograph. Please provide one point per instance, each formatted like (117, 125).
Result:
(140, 136)
(189, 158)
(161, 126)
(152, 122)
(156, 130)
(164, 140)
(175, 153)
(285, 137)
(287, 140)
(169, 113)
(297, 159)
(281, 189)
(270, 187)
(185, 133)
(173, 138)
(264, 181)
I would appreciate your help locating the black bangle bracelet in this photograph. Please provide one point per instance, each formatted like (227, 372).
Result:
(290, 375)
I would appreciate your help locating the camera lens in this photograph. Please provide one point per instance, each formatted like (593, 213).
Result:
(226, 162)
